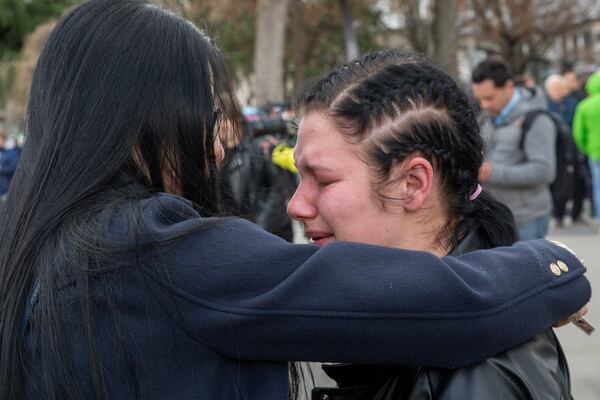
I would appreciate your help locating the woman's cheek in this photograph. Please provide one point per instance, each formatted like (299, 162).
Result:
(218, 149)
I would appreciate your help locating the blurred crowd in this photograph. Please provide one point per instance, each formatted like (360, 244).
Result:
(541, 151)
(542, 171)
(542, 145)
(255, 187)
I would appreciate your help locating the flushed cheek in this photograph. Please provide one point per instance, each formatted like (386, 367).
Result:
(219, 150)
(344, 222)
(334, 204)
(331, 220)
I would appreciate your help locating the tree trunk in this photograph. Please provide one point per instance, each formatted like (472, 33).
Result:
(417, 28)
(269, 50)
(299, 45)
(349, 34)
(513, 55)
(444, 34)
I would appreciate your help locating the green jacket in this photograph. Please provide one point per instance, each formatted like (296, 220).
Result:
(586, 125)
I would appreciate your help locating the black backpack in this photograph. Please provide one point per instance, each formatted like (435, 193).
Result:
(565, 149)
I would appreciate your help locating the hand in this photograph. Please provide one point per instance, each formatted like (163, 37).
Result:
(484, 171)
(564, 322)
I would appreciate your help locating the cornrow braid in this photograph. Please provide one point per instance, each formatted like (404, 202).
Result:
(395, 105)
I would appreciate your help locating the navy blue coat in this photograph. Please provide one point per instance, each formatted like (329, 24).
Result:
(9, 158)
(234, 303)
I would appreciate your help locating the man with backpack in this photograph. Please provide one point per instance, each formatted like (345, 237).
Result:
(522, 163)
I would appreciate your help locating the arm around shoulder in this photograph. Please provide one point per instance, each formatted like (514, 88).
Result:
(241, 290)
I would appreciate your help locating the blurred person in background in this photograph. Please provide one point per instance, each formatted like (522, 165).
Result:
(586, 131)
(557, 98)
(582, 177)
(255, 188)
(575, 85)
(527, 82)
(9, 159)
(517, 175)
(563, 108)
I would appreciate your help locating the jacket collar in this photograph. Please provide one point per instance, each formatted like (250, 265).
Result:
(471, 242)
(514, 100)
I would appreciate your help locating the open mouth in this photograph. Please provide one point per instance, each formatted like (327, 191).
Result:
(319, 238)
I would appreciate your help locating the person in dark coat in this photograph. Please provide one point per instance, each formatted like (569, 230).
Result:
(406, 168)
(255, 188)
(562, 189)
(9, 158)
(581, 172)
(120, 280)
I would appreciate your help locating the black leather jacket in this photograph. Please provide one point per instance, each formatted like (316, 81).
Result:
(536, 370)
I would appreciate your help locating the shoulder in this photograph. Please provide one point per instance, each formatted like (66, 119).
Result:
(157, 214)
(525, 371)
(591, 104)
(539, 121)
(165, 203)
(526, 105)
(592, 101)
(164, 217)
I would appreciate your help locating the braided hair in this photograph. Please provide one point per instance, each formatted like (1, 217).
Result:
(395, 105)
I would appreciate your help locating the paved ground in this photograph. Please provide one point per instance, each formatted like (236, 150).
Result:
(583, 352)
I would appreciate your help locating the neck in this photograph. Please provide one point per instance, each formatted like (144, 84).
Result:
(427, 235)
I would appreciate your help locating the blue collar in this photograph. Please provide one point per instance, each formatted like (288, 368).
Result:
(500, 118)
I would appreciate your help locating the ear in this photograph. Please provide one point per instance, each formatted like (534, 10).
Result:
(414, 184)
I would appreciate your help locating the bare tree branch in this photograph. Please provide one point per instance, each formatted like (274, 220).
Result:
(525, 29)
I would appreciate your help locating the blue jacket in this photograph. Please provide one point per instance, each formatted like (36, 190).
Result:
(234, 303)
(564, 108)
(9, 158)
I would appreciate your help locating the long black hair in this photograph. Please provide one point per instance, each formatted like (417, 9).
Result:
(123, 103)
(397, 104)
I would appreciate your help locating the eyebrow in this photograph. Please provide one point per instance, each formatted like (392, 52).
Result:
(317, 167)
(313, 165)
(320, 167)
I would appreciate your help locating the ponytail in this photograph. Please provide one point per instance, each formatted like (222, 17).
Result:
(493, 221)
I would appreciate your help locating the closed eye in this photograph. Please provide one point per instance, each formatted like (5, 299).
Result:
(325, 182)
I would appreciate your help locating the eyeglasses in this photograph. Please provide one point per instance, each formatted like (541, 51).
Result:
(217, 117)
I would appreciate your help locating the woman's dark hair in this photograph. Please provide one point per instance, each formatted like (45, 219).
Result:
(395, 105)
(122, 105)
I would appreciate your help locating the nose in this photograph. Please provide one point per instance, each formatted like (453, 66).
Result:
(302, 205)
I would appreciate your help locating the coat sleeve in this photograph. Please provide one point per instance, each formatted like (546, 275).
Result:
(249, 295)
(539, 166)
